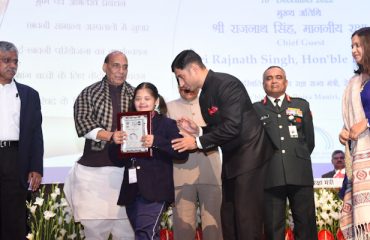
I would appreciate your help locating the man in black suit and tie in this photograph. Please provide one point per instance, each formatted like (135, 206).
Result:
(232, 124)
(288, 122)
(21, 145)
(337, 159)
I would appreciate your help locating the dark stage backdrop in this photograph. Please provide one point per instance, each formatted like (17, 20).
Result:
(62, 44)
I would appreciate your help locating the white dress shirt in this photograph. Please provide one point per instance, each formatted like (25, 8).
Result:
(10, 109)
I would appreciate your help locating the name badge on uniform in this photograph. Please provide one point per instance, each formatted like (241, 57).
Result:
(132, 178)
(293, 131)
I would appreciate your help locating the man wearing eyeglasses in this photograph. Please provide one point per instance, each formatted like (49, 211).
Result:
(94, 183)
(196, 179)
(337, 159)
(21, 145)
(288, 121)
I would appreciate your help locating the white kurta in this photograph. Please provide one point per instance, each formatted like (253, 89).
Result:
(92, 192)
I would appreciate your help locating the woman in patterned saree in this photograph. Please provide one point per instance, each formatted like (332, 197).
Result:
(355, 216)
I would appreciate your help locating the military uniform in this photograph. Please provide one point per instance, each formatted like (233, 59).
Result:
(289, 173)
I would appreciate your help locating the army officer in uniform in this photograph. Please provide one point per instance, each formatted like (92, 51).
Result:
(288, 122)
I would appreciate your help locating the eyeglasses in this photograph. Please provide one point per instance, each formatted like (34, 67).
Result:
(9, 60)
(119, 66)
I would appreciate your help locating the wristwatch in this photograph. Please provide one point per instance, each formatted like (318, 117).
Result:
(368, 124)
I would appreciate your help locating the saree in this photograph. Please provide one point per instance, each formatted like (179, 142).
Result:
(355, 214)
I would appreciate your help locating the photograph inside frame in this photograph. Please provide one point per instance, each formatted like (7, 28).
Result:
(136, 125)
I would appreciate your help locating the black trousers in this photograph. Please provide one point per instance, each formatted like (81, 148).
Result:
(242, 206)
(302, 204)
(12, 197)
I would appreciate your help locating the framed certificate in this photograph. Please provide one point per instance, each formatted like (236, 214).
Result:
(136, 125)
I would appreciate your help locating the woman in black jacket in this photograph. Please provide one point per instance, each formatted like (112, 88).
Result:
(147, 186)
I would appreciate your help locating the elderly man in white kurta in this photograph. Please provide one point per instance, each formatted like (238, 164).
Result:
(198, 178)
(94, 183)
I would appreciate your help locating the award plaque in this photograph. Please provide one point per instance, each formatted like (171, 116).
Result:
(136, 125)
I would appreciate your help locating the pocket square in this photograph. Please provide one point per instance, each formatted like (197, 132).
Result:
(212, 110)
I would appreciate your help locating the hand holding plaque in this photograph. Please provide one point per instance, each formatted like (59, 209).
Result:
(136, 125)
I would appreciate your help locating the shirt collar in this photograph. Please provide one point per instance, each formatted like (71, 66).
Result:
(272, 99)
(191, 102)
(10, 85)
(343, 171)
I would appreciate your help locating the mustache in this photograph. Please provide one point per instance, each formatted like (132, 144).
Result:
(186, 90)
(12, 71)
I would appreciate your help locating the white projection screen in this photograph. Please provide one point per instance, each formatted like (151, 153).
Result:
(62, 45)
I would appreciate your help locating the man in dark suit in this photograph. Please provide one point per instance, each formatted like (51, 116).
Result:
(337, 159)
(288, 122)
(232, 124)
(21, 145)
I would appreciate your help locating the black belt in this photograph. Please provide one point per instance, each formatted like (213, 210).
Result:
(8, 144)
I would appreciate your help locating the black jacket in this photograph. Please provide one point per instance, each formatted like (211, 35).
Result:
(154, 174)
(233, 124)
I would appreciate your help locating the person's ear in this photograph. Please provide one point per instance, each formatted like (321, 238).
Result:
(194, 67)
(104, 67)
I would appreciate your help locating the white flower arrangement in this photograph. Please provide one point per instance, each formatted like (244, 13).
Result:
(51, 218)
(328, 207)
(167, 219)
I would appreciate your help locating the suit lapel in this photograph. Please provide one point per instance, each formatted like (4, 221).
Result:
(287, 102)
(284, 105)
(203, 104)
(24, 99)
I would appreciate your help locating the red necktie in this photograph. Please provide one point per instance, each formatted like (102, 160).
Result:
(339, 174)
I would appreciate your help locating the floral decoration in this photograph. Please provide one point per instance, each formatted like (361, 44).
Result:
(328, 207)
(167, 225)
(166, 221)
(50, 217)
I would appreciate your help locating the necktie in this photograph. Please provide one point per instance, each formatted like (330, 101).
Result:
(339, 173)
(277, 104)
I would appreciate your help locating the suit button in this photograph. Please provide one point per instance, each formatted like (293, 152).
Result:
(283, 151)
(282, 138)
(279, 116)
(280, 126)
